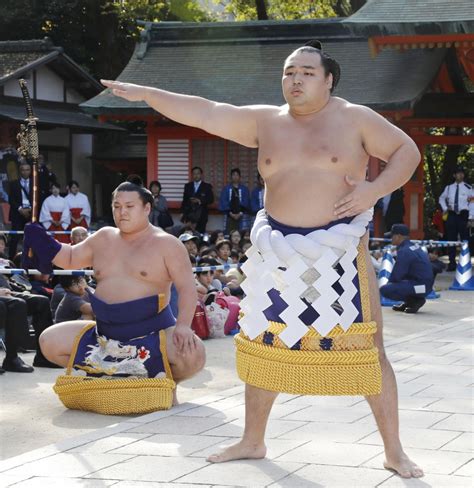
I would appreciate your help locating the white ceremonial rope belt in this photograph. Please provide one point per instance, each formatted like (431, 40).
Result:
(308, 272)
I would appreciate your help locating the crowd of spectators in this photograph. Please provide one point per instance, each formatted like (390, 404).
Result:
(58, 210)
(236, 203)
(31, 304)
(28, 305)
(218, 290)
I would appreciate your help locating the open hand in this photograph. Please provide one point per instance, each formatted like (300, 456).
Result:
(361, 197)
(184, 340)
(129, 91)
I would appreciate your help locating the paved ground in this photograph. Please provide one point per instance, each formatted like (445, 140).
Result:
(313, 441)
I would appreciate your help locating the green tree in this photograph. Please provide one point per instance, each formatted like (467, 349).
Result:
(279, 9)
(289, 9)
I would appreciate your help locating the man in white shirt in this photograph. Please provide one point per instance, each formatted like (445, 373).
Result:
(455, 202)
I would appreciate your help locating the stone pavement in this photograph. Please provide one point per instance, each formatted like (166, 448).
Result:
(313, 441)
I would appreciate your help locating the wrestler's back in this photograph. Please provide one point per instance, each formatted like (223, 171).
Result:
(304, 162)
(130, 269)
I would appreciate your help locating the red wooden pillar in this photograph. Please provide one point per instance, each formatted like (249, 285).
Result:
(373, 170)
(414, 199)
(152, 153)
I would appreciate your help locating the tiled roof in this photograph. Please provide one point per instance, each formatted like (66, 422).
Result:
(14, 55)
(242, 64)
(409, 17)
(20, 57)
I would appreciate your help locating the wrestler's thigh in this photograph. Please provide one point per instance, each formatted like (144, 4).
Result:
(375, 307)
(58, 340)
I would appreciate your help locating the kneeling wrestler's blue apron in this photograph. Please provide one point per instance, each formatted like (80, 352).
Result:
(122, 355)
(125, 340)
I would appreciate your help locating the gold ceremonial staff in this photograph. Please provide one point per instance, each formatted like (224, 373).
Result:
(29, 147)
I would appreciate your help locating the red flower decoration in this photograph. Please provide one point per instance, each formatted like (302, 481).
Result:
(143, 353)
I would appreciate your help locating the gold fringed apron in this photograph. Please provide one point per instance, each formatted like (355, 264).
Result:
(340, 360)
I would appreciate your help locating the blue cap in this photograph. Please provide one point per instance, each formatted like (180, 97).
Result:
(399, 229)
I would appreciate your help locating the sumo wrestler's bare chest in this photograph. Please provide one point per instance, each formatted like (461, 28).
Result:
(331, 145)
(138, 261)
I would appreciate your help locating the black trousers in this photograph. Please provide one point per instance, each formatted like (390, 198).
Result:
(14, 311)
(13, 320)
(456, 228)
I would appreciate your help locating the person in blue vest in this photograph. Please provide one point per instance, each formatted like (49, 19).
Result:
(257, 196)
(455, 204)
(412, 275)
(234, 202)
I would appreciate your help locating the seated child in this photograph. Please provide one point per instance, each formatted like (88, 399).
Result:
(75, 305)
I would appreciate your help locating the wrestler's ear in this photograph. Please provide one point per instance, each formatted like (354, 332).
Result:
(330, 80)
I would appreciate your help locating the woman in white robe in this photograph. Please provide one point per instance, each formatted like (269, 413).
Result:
(54, 215)
(79, 207)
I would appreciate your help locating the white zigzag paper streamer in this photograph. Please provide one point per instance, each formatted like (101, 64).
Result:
(350, 312)
(328, 317)
(320, 250)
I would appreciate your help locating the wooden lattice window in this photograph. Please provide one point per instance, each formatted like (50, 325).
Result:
(245, 159)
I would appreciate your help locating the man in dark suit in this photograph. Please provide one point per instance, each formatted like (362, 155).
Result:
(14, 310)
(45, 178)
(393, 208)
(196, 198)
(20, 199)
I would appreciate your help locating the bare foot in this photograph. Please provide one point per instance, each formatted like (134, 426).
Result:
(240, 450)
(403, 466)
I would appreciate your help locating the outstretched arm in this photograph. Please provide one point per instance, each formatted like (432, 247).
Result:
(41, 250)
(75, 257)
(238, 124)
